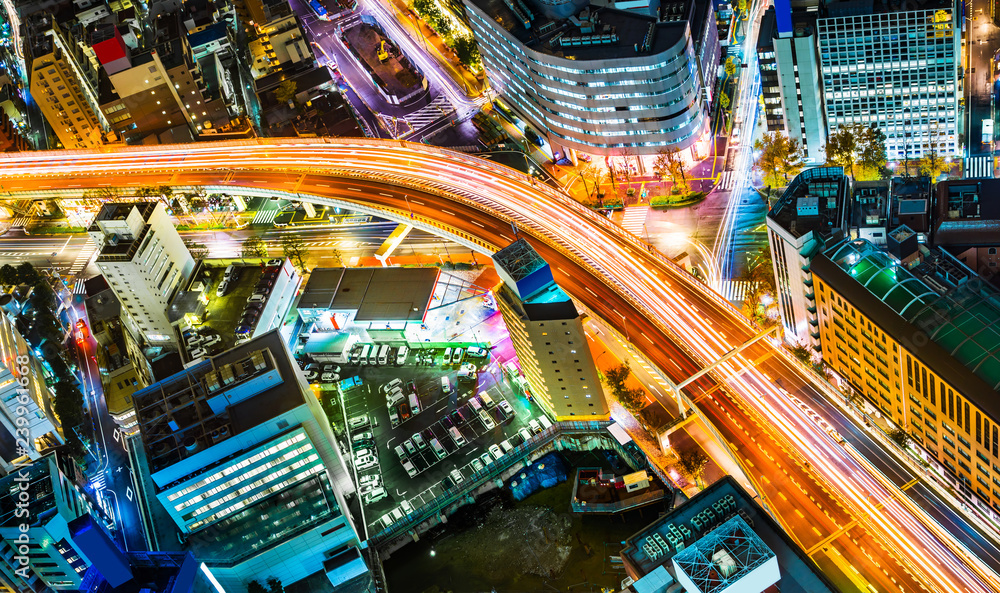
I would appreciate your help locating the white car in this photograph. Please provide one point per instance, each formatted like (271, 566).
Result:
(275, 262)
(370, 479)
(329, 377)
(369, 488)
(392, 385)
(457, 476)
(362, 453)
(212, 341)
(362, 436)
(496, 452)
(311, 375)
(222, 288)
(358, 421)
(375, 495)
(365, 463)
(505, 406)
(477, 465)
(257, 298)
(535, 426)
(198, 353)
(475, 352)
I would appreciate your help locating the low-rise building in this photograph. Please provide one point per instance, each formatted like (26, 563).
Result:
(967, 223)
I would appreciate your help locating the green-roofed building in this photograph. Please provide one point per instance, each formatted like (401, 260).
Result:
(915, 331)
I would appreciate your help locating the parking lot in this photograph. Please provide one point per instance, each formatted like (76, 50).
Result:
(436, 453)
(223, 313)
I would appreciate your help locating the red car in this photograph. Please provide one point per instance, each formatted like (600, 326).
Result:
(81, 331)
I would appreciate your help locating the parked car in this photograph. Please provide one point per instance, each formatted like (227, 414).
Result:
(447, 423)
(535, 426)
(370, 479)
(418, 440)
(495, 452)
(456, 358)
(487, 421)
(375, 495)
(275, 262)
(456, 417)
(476, 352)
(358, 421)
(311, 375)
(410, 447)
(486, 459)
(361, 453)
(367, 488)
(198, 353)
(406, 507)
(329, 377)
(231, 273)
(524, 434)
(362, 436)
(477, 465)
(457, 476)
(504, 405)
(221, 289)
(212, 341)
(391, 385)
(256, 298)
(365, 463)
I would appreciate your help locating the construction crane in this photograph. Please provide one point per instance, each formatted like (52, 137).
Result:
(382, 54)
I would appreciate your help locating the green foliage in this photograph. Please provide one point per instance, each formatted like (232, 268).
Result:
(780, 158)
(468, 52)
(724, 100)
(286, 91)
(597, 176)
(759, 278)
(27, 274)
(900, 437)
(801, 352)
(68, 404)
(8, 275)
(198, 250)
(933, 165)
(859, 149)
(430, 11)
(632, 399)
(731, 66)
(253, 247)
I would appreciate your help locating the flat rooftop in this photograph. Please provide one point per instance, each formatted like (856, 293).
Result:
(720, 507)
(869, 204)
(967, 212)
(940, 298)
(377, 294)
(812, 202)
(215, 399)
(552, 35)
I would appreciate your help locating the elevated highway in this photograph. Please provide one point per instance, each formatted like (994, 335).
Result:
(850, 517)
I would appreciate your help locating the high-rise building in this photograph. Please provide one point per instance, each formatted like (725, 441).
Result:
(602, 80)
(796, 63)
(899, 70)
(548, 336)
(238, 452)
(38, 551)
(27, 423)
(144, 260)
(913, 330)
(64, 82)
(810, 212)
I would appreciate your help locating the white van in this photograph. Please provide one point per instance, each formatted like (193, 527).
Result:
(438, 449)
(456, 435)
(486, 399)
(410, 470)
(476, 406)
(545, 422)
(363, 357)
(401, 355)
(383, 353)
(447, 356)
(506, 446)
(445, 385)
(373, 355)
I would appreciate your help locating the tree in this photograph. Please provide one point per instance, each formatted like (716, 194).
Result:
(724, 100)
(692, 462)
(27, 274)
(758, 275)
(932, 165)
(255, 587)
(632, 399)
(198, 250)
(274, 585)
(742, 6)
(253, 247)
(295, 250)
(68, 404)
(8, 275)
(627, 153)
(468, 52)
(597, 176)
(900, 437)
(668, 162)
(801, 352)
(286, 91)
(780, 158)
(860, 145)
(731, 66)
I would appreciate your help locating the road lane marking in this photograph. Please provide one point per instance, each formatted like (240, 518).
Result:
(386, 195)
(477, 224)
(799, 513)
(323, 184)
(447, 212)
(353, 189)
(416, 201)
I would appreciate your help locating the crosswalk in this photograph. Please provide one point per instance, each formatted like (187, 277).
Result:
(728, 180)
(635, 219)
(979, 166)
(82, 258)
(430, 113)
(265, 216)
(733, 290)
(20, 221)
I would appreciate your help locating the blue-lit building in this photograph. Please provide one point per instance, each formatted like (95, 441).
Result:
(237, 451)
(547, 333)
(633, 79)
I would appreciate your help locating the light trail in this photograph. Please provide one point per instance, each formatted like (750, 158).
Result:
(669, 300)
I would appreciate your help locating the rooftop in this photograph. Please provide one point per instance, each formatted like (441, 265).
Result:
(813, 202)
(377, 294)
(41, 501)
(519, 260)
(869, 205)
(211, 401)
(939, 297)
(710, 521)
(967, 212)
(577, 30)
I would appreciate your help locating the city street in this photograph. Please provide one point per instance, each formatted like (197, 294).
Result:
(982, 42)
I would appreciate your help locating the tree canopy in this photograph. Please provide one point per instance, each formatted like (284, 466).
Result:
(669, 163)
(780, 158)
(632, 399)
(253, 247)
(860, 150)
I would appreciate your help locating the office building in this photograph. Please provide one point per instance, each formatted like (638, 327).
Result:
(24, 397)
(967, 223)
(240, 456)
(602, 80)
(796, 63)
(55, 559)
(774, 113)
(720, 540)
(280, 45)
(899, 70)
(144, 261)
(160, 92)
(548, 337)
(809, 213)
(64, 81)
(914, 331)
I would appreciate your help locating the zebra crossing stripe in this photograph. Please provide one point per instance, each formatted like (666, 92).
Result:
(82, 259)
(428, 114)
(979, 166)
(265, 216)
(733, 290)
(634, 220)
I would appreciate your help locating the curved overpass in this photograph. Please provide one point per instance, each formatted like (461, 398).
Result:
(677, 323)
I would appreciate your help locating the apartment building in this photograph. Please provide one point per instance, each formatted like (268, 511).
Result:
(28, 424)
(64, 82)
(548, 336)
(899, 70)
(912, 329)
(601, 80)
(238, 453)
(144, 261)
(811, 212)
(55, 560)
